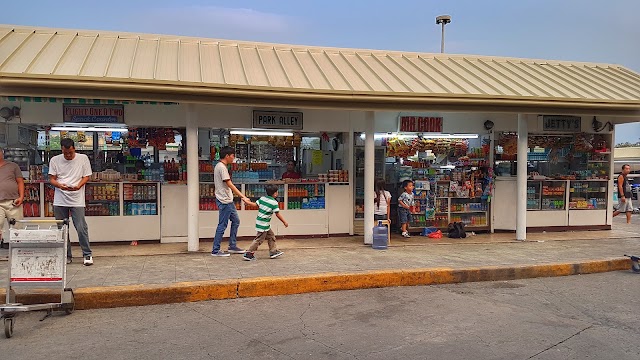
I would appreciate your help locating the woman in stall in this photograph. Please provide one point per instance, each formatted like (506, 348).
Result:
(291, 172)
(382, 207)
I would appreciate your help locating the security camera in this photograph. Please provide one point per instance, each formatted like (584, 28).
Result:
(443, 19)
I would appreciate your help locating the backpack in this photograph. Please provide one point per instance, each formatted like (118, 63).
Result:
(456, 230)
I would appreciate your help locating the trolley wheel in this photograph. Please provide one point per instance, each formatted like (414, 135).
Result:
(69, 308)
(8, 326)
(68, 301)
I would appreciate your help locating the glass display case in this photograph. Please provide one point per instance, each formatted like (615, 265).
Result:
(588, 195)
(533, 195)
(306, 196)
(102, 199)
(140, 199)
(554, 195)
(256, 191)
(208, 198)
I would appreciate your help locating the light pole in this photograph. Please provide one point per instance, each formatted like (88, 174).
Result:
(444, 20)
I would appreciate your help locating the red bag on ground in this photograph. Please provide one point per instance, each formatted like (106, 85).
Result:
(435, 235)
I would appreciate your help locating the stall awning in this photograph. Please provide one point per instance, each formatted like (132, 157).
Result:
(71, 63)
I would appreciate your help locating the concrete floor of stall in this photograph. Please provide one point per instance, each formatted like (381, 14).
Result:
(621, 230)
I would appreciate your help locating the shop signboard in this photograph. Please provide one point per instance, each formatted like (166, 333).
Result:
(428, 124)
(93, 114)
(277, 120)
(561, 123)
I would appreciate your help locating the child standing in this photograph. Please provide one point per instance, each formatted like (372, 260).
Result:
(405, 205)
(267, 206)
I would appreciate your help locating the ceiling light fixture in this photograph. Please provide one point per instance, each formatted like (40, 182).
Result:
(89, 129)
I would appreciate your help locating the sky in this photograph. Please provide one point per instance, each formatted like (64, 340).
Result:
(579, 30)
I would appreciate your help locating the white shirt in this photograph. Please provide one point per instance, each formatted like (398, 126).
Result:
(223, 191)
(69, 172)
(384, 197)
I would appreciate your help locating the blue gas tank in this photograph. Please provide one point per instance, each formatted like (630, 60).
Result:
(380, 237)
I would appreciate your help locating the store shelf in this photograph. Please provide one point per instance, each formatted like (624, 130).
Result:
(469, 212)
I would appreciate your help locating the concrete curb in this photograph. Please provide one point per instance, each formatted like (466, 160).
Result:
(139, 295)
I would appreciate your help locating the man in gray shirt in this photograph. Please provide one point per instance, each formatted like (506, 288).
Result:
(11, 192)
(226, 208)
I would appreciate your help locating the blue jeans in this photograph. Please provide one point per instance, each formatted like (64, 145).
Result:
(77, 216)
(226, 212)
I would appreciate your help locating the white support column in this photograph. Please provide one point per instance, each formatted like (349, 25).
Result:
(369, 173)
(521, 202)
(352, 170)
(193, 180)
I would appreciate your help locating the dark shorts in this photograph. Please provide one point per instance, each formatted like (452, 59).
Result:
(404, 216)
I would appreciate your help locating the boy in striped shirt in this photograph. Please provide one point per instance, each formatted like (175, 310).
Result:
(267, 206)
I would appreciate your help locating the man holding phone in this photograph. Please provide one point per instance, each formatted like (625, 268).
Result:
(11, 193)
(69, 172)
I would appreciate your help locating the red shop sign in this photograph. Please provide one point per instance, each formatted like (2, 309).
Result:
(420, 124)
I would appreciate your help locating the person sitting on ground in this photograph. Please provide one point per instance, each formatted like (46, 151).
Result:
(267, 206)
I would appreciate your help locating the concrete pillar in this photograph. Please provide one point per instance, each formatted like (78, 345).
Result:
(350, 143)
(369, 174)
(193, 180)
(521, 202)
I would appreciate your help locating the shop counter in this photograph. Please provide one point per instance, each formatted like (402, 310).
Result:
(552, 203)
(309, 208)
(115, 211)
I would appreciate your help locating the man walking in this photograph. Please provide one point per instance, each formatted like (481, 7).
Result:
(624, 194)
(69, 172)
(227, 209)
(11, 193)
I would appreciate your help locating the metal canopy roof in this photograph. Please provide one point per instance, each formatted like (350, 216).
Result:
(57, 62)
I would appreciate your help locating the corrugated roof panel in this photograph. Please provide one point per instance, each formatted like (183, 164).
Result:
(579, 76)
(355, 80)
(211, 64)
(28, 51)
(536, 71)
(475, 77)
(273, 68)
(74, 57)
(329, 69)
(436, 75)
(50, 56)
(537, 85)
(633, 79)
(295, 71)
(189, 62)
(99, 57)
(232, 65)
(552, 72)
(518, 86)
(254, 67)
(403, 76)
(167, 61)
(144, 61)
(458, 75)
(412, 69)
(122, 57)
(317, 78)
(10, 44)
(484, 75)
(364, 72)
(599, 78)
(390, 79)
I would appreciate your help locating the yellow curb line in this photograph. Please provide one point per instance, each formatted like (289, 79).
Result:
(139, 295)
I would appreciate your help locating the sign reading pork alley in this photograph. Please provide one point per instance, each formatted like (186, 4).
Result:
(277, 120)
(93, 114)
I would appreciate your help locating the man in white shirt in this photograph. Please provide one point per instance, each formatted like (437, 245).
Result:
(69, 172)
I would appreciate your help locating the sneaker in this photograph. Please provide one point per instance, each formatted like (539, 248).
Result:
(406, 235)
(248, 256)
(88, 260)
(69, 261)
(220, 254)
(275, 254)
(236, 250)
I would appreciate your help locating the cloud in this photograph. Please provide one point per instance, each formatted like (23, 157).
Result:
(217, 22)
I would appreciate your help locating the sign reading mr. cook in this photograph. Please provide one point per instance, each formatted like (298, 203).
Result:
(93, 114)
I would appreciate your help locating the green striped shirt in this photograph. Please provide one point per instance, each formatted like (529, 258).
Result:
(267, 206)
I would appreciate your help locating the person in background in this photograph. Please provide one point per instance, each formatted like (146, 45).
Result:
(624, 193)
(69, 172)
(291, 172)
(405, 205)
(267, 206)
(382, 208)
(225, 189)
(11, 193)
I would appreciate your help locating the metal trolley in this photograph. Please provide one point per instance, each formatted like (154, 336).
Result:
(37, 260)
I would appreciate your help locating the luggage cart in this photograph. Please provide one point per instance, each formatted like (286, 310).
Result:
(37, 260)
